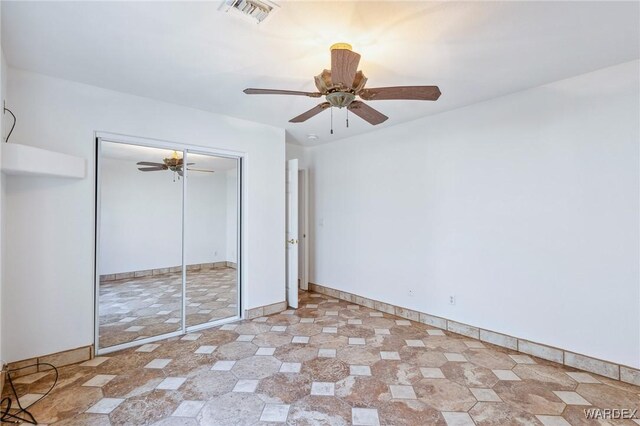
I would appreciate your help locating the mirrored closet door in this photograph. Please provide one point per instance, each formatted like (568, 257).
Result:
(167, 242)
(211, 241)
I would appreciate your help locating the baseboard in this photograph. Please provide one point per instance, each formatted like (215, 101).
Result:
(58, 359)
(2, 373)
(261, 311)
(561, 356)
(163, 271)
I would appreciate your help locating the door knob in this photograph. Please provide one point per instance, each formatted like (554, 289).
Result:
(292, 241)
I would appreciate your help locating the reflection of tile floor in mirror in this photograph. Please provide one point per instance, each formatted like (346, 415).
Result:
(311, 367)
(136, 308)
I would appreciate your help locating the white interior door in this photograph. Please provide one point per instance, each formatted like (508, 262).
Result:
(292, 233)
(303, 229)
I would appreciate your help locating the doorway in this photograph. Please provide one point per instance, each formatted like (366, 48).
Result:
(168, 227)
(297, 203)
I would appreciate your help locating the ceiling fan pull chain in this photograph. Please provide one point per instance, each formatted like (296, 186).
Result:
(331, 120)
(347, 118)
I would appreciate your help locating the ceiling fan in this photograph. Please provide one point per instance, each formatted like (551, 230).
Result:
(343, 83)
(173, 163)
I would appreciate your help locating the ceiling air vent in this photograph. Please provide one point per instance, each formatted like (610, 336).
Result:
(253, 10)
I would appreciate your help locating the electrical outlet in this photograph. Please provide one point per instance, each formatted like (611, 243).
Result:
(452, 300)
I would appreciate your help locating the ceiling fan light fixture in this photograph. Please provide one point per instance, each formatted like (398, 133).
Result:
(340, 99)
(344, 46)
(343, 83)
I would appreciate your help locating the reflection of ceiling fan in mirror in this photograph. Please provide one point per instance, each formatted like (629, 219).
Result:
(173, 163)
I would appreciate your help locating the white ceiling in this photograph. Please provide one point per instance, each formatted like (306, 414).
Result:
(135, 153)
(193, 54)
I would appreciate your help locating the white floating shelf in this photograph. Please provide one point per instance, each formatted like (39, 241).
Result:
(27, 160)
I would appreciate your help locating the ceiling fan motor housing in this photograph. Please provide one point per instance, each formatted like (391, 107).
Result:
(340, 99)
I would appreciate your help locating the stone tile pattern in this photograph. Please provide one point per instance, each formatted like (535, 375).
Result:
(570, 359)
(150, 302)
(59, 359)
(409, 385)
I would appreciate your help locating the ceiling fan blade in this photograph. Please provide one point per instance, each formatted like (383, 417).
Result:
(151, 169)
(323, 81)
(422, 93)
(344, 64)
(201, 170)
(251, 91)
(313, 111)
(147, 163)
(359, 82)
(367, 113)
(180, 172)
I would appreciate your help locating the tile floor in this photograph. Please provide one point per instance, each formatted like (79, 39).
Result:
(263, 372)
(135, 308)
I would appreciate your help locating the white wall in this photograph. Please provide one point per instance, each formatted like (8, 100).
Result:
(3, 94)
(297, 152)
(206, 218)
(49, 222)
(524, 207)
(141, 218)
